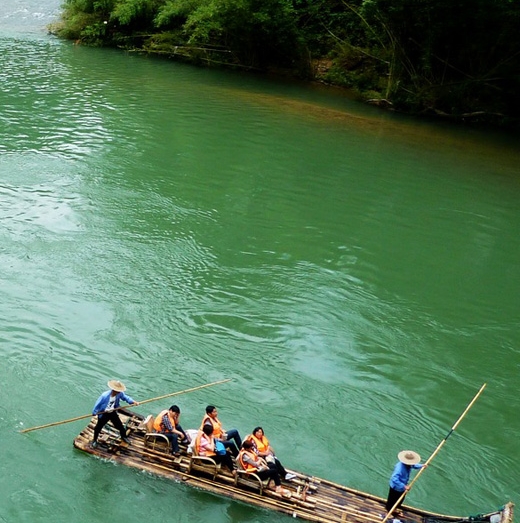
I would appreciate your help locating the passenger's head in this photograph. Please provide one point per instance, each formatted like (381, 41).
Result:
(211, 410)
(208, 429)
(247, 445)
(175, 409)
(258, 432)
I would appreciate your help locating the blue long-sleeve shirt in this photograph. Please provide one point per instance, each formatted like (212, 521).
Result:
(401, 475)
(102, 401)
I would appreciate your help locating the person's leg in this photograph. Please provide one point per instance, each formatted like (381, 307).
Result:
(231, 445)
(270, 474)
(174, 441)
(393, 496)
(185, 438)
(225, 459)
(118, 424)
(391, 499)
(280, 468)
(235, 436)
(274, 468)
(101, 422)
(400, 502)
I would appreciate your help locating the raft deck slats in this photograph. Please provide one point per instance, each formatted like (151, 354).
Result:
(313, 499)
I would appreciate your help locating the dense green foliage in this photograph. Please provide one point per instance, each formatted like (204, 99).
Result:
(449, 57)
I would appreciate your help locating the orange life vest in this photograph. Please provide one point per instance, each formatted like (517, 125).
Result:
(200, 450)
(244, 464)
(262, 445)
(218, 432)
(158, 424)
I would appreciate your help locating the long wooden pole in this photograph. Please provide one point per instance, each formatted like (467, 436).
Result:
(127, 406)
(435, 452)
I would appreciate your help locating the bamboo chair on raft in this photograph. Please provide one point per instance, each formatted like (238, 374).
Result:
(154, 440)
(205, 464)
(251, 480)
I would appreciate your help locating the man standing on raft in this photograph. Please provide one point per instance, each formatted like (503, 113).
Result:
(408, 460)
(104, 409)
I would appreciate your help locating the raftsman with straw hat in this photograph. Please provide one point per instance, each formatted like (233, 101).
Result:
(408, 460)
(116, 385)
(106, 409)
(408, 457)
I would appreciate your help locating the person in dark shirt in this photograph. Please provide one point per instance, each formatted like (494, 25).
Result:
(167, 423)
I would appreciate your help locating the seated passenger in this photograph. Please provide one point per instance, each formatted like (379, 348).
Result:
(262, 447)
(249, 461)
(219, 433)
(205, 446)
(167, 423)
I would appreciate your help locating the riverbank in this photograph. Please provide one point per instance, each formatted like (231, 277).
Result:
(426, 69)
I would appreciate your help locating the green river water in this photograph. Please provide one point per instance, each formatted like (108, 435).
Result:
(355, 273)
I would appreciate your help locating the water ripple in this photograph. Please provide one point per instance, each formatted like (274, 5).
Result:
(172, 226)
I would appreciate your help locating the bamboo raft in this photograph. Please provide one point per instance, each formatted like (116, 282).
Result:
(312, 499)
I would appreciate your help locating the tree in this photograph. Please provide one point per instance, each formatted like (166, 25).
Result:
(454, 55)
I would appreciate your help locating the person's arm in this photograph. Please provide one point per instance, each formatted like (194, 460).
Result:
(224, 433)
(167, 423)
(248, 458)
(268, 452)
(263, 463)
(101, 404)
(178, 432)
(174, 427)
(128, 399)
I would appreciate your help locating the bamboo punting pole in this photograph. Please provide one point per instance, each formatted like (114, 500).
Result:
(435, 451)
(54, 424)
